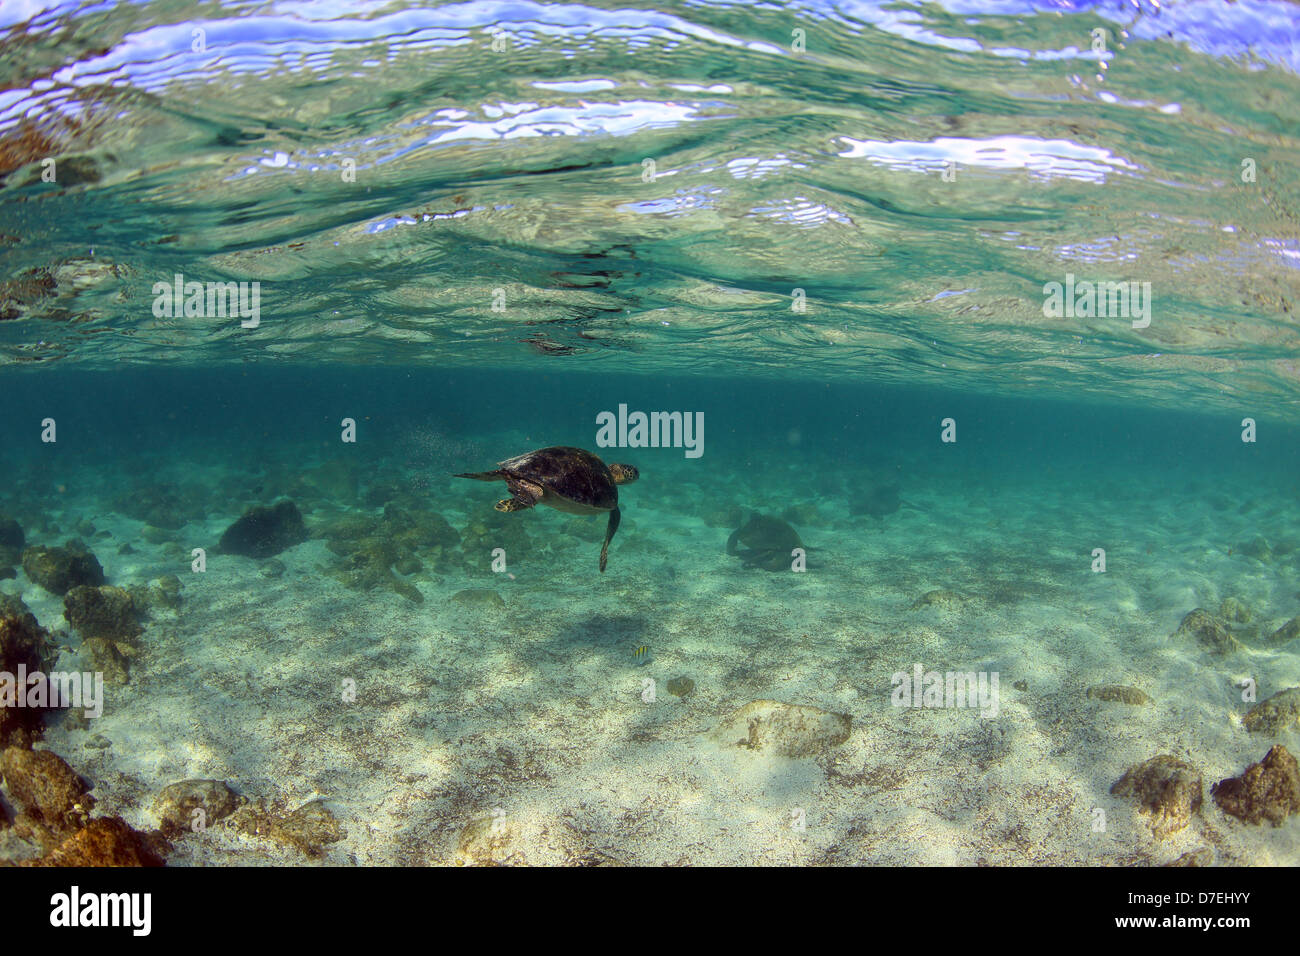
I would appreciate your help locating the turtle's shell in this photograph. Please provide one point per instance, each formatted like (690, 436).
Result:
(570, 473)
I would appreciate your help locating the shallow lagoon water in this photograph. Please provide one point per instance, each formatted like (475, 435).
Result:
(838, 255)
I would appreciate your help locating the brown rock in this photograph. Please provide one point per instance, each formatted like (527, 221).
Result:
(42, 786)
(1268, 790)
(1118, 693)
(1275, 714)
(1208, 631)
(1166, 789)
(178, 805)
(106, 841)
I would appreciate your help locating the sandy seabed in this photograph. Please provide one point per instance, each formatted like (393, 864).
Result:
(524, 733)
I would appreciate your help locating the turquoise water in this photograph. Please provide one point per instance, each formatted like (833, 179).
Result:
(827, 231)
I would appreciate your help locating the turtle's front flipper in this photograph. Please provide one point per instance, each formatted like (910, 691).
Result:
(614, 518)
(512, 504)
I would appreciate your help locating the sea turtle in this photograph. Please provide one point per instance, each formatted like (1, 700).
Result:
(768, 542)
(568, 479)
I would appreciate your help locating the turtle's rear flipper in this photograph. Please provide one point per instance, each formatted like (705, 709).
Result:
(614, 518)
(526, 494)
(483, 475)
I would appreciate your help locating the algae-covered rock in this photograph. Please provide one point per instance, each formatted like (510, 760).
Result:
(162, 592)
(110, 657)
(681, 687)
(103, 611)
(265, 532)
(482, 599)
(1166, 790)
(1207, 630)
(1268, 790)
(60, 569)
(13, 606)
(1234, 611)
(104, 841)
(191, 805)
(1275, 714)
(308, 829)
(1118, 693)
(42, 786)
(23, 644)
(787, 730)
(1287, 632)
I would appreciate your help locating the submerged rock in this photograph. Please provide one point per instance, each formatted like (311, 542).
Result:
(309, 829)
(60, 569)
(163, 592)
(45, 789)
(1208, 631)
(110, 657)
(1268, 790)
(11, 534)
(1165, 789)
(787, 730)
(1118, 693)
(1234, 611)
(103, 611)
(681, 687)
(265, 532)
(764, 542)
(1275, 714)
(105, 841)
(1288, 631)
(23, 644)
(194, 804)
(483, 599)
(12, 542)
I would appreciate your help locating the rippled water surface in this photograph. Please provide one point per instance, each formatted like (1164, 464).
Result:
(625, 187)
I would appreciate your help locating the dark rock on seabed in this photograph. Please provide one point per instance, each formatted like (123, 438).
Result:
(265, 532)
(58, 570)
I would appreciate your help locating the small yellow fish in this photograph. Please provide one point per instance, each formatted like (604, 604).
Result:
(641, 651)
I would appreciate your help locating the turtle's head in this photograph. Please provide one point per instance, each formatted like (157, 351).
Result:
(624, 474)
